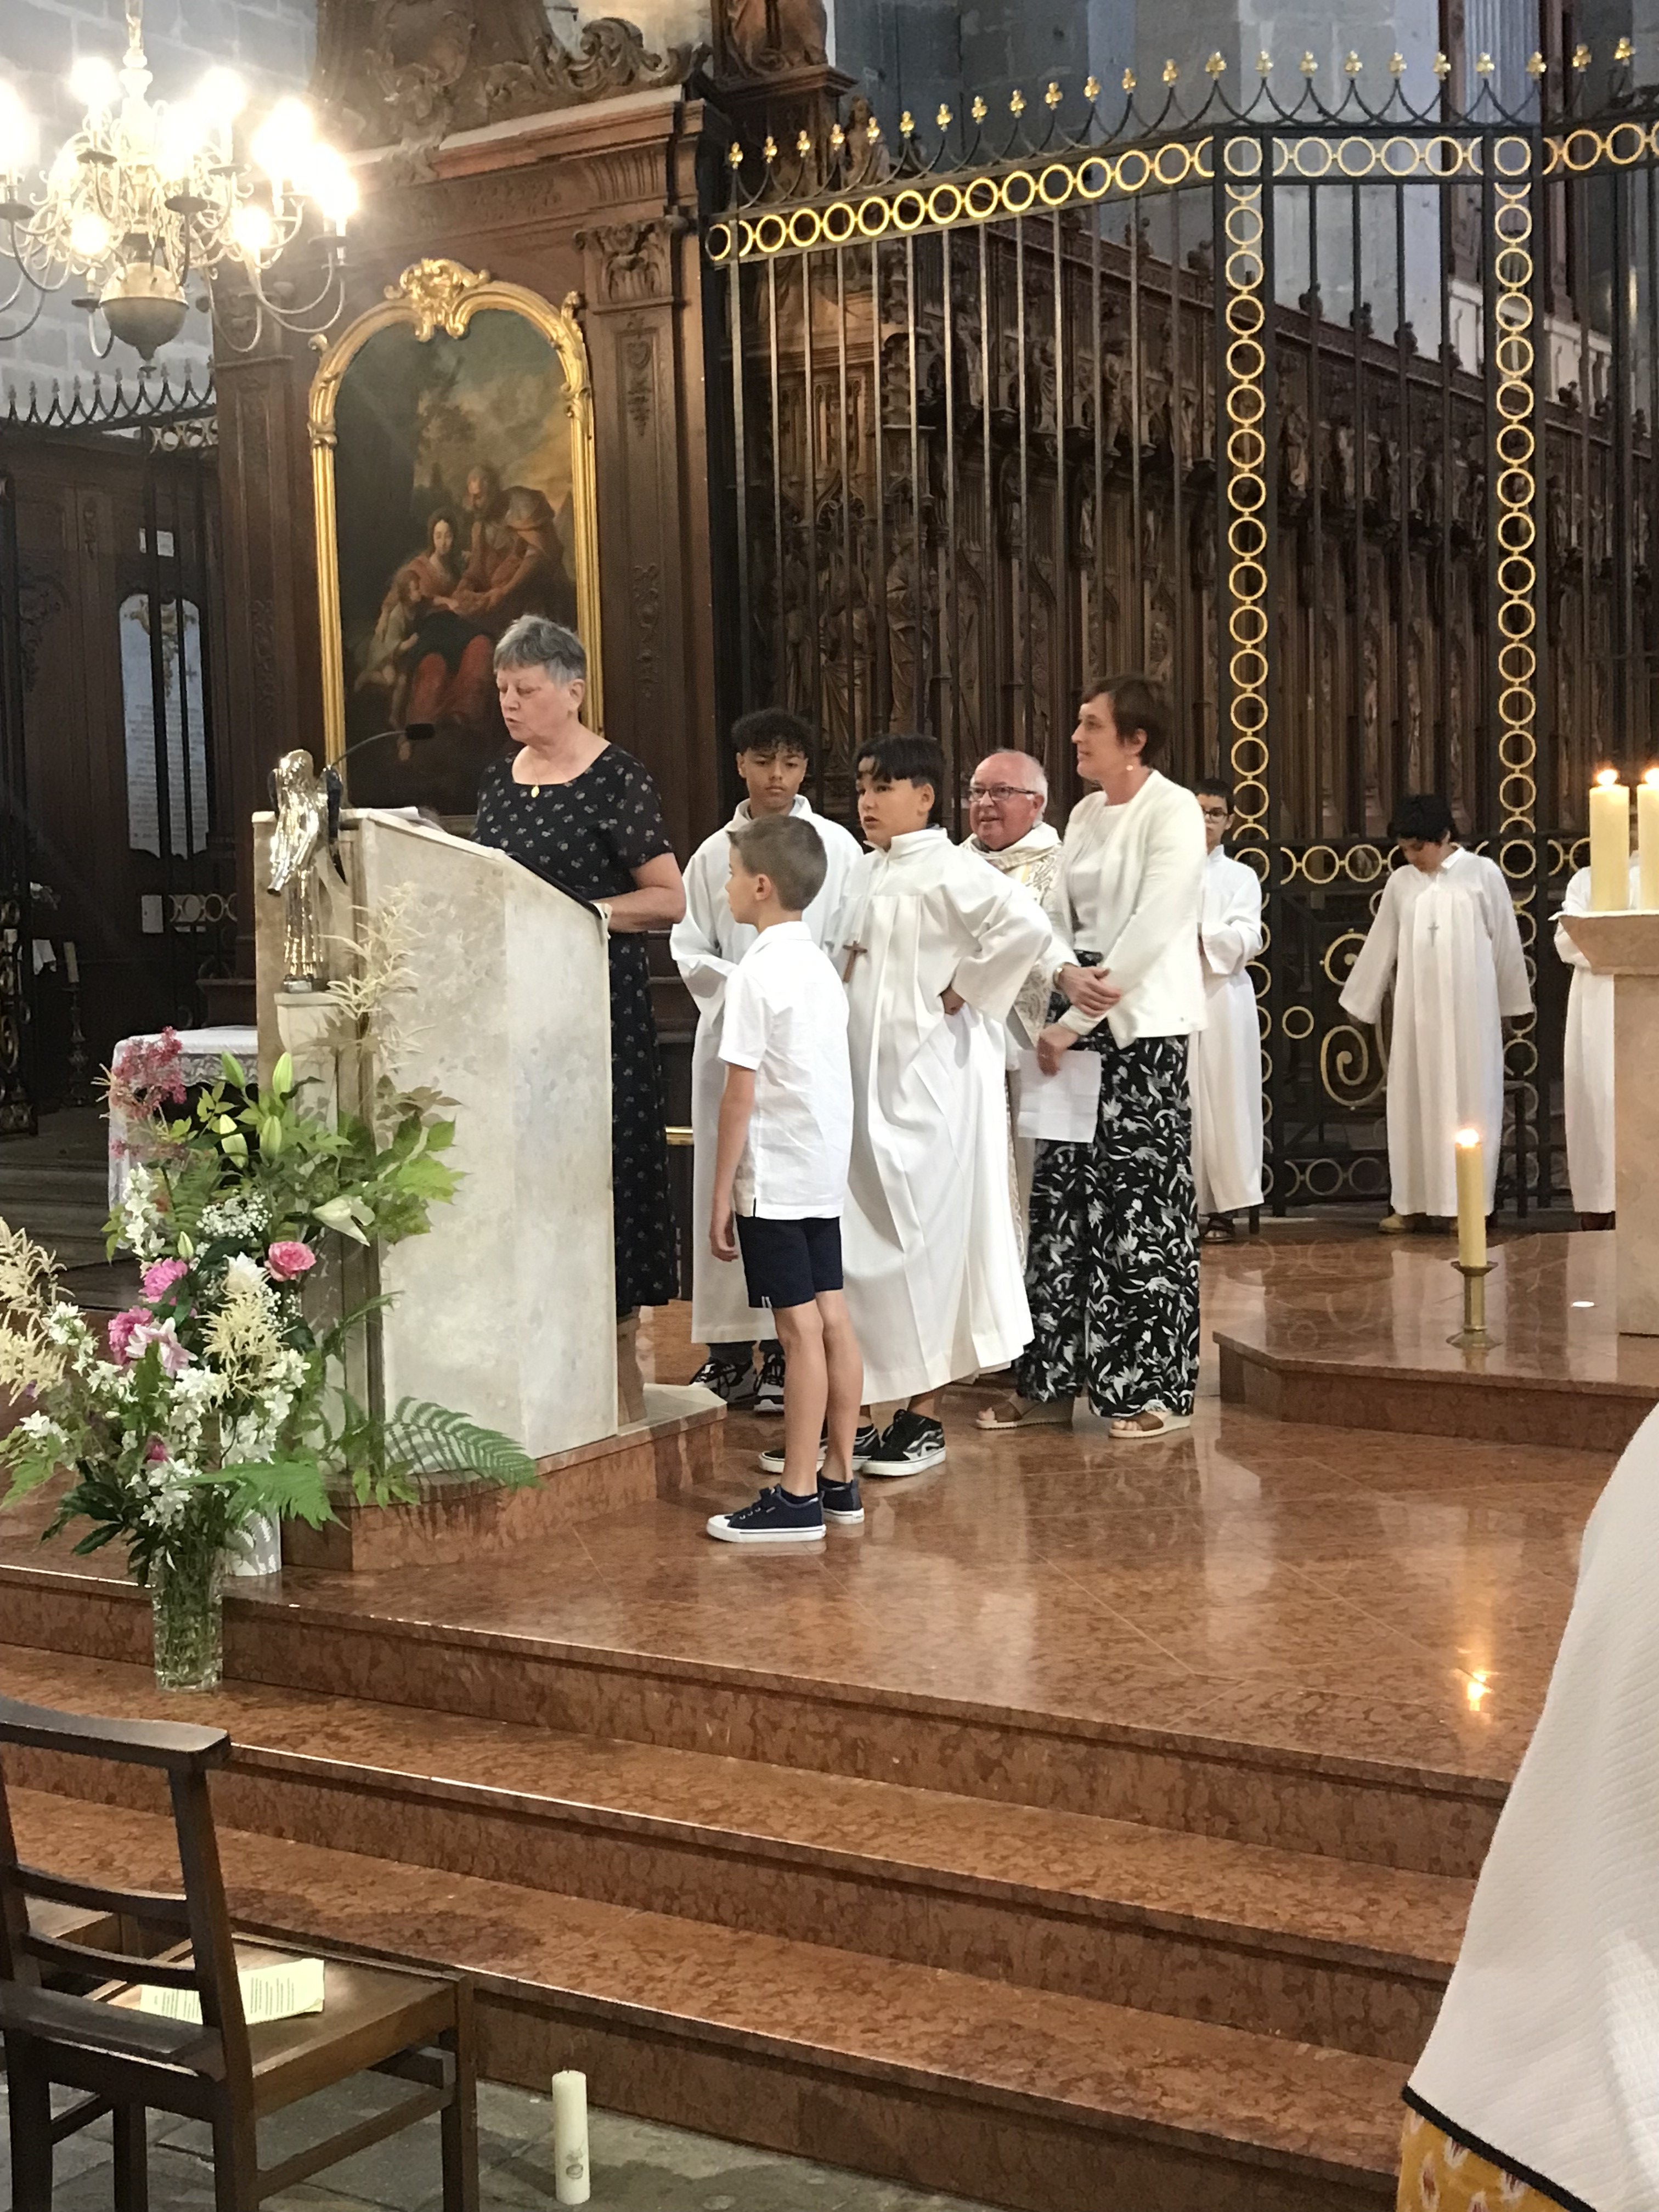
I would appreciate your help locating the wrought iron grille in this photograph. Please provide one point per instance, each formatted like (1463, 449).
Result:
(1333, 413)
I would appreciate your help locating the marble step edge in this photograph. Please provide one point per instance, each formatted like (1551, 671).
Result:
(1154, 2056)
(307, 1610)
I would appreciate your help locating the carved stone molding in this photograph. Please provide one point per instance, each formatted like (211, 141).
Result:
(407, 73)
(633, 262)
(438, 292)
(762, 38)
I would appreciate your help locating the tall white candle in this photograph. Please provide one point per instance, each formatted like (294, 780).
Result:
(1471, 1200)
(1609, 844)
(1647, 839)
(71, 965)
(570, 2180)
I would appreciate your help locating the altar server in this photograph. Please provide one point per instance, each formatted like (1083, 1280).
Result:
(1588, 1067)
(1226, 1053)
(1446, 937)
(937, 947)
(774, 754)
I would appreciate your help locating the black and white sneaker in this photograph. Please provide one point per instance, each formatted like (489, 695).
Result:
(768, 1391)
(863, 1444)
(774, 1518)
(910, 1442)
(733, 1383)
(841, 1501)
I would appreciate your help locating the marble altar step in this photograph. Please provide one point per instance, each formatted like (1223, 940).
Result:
(1314, 1949)
(1042, 2101)
(391, 1640)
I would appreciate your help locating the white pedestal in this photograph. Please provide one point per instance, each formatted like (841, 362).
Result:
(1626, 947)
(507, 1310)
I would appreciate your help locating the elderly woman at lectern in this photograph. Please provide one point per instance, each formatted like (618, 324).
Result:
(584, 815)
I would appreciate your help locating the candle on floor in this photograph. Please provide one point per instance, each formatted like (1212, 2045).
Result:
(1471, 1200)
(71, 965)
(570, 2182)
(1609, 844)
(1647, 839)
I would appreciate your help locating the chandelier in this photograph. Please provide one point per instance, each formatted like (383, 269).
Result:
(147, 194)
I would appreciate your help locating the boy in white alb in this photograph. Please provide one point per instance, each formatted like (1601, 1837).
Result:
(781, 1159)
(775, 755)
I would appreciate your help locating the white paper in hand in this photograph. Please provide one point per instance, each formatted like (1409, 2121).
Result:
(1059, 1108)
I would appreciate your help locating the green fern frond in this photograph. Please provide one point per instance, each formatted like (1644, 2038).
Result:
(431, 1439)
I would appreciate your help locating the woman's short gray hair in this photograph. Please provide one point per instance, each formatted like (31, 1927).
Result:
(538, 641)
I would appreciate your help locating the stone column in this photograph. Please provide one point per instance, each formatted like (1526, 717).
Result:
(1626, 947)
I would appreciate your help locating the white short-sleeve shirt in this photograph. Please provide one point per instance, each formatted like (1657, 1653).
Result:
(786, 1017)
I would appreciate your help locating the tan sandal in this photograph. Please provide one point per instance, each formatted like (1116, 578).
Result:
(1016, 1413)
(1129, 1430)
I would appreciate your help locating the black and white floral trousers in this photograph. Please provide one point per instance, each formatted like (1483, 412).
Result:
(1111, 1263)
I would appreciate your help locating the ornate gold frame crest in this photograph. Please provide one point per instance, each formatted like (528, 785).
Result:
(443, 296)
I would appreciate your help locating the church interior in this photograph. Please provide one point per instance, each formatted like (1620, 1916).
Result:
(1093, 1822)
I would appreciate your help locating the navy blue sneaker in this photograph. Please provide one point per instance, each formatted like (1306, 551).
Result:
(863, 1444)
(774, 1518)
(841, 1501)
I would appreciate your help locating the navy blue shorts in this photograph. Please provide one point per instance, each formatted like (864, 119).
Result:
(788, 1263)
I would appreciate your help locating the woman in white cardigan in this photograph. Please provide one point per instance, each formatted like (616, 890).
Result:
(1112, 1262)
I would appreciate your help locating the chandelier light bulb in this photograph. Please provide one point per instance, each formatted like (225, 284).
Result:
(90, 237)
(94, 84)
(222, 95)
(253, 231)
(284, 140)
(324, 177)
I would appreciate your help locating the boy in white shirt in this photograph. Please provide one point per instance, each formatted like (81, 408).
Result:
(781, 1159)
(775, 757)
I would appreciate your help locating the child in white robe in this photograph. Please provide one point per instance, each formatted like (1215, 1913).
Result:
(775, 755)
(1446, 938)
(1587, 1067)
(937, 946)
(1226, 1053)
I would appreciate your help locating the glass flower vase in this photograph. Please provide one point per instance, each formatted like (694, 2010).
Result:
(187, 1619)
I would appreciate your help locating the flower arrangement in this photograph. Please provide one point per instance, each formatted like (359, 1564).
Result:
(218, 1397)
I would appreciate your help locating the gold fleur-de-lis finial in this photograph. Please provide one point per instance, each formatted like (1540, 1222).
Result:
(1264, 64)
(1581, 58)
(1091, 88)
(1536, 64)
(802, 144)
(1128, 79)
(1396, 64)
(734, 154)
(1308, 64)
(1170, 73)
(1623, 52)
(907, 124)
(770, 150)
(1484, 65)
(1215, 65)
(1017, 105)
(979, 111)
(1443, 66)
(1051, 97)
(837, 137)
(1353, 64)
(943, 118)
(872, 131)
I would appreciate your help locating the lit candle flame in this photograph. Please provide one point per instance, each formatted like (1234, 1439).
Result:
(1650, 775)
(1606, 775)
(1464, 1138)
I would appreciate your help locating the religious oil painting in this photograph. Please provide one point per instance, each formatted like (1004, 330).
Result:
(452, 438)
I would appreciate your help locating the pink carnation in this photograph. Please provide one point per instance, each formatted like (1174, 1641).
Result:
(290, 1260)
(161, 1276)
(121, 1329)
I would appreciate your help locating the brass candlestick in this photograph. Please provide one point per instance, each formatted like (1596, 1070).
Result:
(1473, 1335)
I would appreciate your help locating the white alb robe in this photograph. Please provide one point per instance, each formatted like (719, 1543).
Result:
(1450, 944)
(1226, 1053)
(1587, 1067)
(933, 1276)
(707, 946)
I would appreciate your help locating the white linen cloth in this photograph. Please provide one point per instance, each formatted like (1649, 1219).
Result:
(1547, 2046)
(786, 1017)
(1451, 945)
(933, 1275)
(1128, 888)
(707, 946)
(1225, 1070)
(1586, 1061)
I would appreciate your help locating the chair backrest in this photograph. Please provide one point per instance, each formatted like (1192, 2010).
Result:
(186, 1756)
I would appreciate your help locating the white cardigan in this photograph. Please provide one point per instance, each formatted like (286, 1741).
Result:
(1131, 888)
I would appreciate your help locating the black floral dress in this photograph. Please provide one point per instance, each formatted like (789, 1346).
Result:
(588, 836)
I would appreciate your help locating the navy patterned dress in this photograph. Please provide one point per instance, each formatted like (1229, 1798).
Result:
(588, 836)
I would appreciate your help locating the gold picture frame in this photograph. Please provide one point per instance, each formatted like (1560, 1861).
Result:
(436, 296)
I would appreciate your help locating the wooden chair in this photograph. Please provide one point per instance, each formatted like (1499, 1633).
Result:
(126, 2063)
